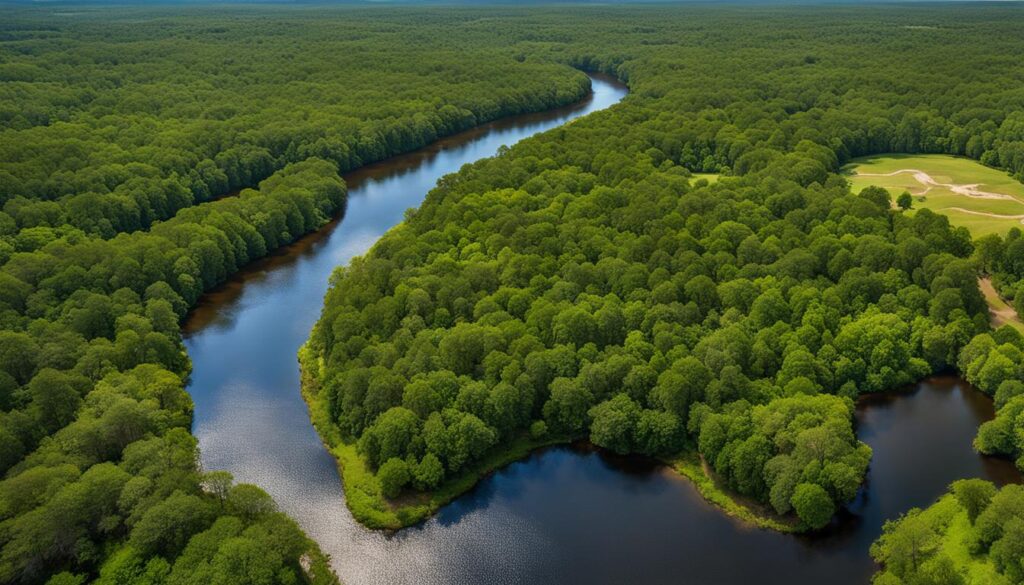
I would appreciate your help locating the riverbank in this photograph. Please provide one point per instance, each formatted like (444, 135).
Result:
(363, 494)
(365, 499)
(693, 467)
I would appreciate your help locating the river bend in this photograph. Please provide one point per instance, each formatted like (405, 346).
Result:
(565, 515)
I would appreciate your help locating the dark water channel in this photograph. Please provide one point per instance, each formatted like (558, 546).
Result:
(565, 515)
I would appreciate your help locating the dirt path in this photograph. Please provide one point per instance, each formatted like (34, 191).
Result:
(968, 190)
(1000, 312)
(986, 213)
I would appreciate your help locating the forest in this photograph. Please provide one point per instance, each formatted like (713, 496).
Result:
(128, 158)
(581, 285)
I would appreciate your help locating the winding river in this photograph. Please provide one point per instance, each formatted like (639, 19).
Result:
(564, 515)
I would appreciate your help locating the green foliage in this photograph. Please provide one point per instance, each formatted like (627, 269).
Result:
(123, 124)
(973, 495)
(813, 505)
(905, 201)
(428, 473)
(112, 225)
(100, 392)
(977, 521)
(393, 474)
(582, 280)
(614, 424)
(907, 543)
(578, 284)
(995, 363)
(166, 527)
(768, 451)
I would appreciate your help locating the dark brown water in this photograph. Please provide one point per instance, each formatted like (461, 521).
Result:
(566, 515)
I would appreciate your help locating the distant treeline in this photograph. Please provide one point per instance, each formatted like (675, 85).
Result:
(108, 127)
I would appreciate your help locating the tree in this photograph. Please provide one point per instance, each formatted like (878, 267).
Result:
(877, 195)
(249, 502)
(393, 475)
(566, 410)
(166, 527)
(658, 432)
(218, 483)
(973, 495)
(813, 505)
(905, 201)
(906, 543)
(246, 560)
(1008, 552)
(392, 435)
(56, 397)
(469, 438)
(429, 473)
(18, 353)
(682, 385)
(939, 570)
(1007, 391)
(614, 424)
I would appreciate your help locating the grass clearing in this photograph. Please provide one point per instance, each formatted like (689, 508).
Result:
(977, 569)
(711, 178)
(982, 199)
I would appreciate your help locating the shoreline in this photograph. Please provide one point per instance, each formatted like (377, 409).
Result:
(373, 511)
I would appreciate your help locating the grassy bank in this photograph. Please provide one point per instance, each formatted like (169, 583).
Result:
(690, 466)
(363, 493)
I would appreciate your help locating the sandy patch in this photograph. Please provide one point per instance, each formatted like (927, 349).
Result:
(967, 190)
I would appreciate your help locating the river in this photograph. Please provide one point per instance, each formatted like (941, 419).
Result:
(564, 515)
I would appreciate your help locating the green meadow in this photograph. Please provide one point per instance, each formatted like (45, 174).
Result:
(711, 178)
(980, 198)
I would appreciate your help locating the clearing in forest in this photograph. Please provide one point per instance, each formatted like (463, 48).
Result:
(980, 198)
(1000, 311)
(711, 178)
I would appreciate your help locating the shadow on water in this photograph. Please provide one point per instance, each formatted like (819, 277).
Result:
(570, 514)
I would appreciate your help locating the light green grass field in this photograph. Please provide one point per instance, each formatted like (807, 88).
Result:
(712, 178)
(955, 542)
(982, 199)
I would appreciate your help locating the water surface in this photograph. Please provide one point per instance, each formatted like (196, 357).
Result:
(565, 515)
(243, 337)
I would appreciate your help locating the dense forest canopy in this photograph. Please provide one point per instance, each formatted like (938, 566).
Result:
(580, 284)
(116, 135)
(139, 121)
